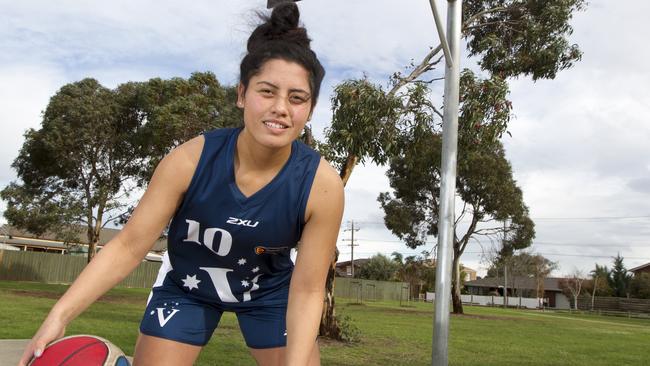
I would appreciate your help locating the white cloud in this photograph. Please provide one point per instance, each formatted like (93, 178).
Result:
(25, 91)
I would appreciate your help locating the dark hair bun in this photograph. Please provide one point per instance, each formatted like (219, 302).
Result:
(286, 16)
(283, 24)
(280, 36)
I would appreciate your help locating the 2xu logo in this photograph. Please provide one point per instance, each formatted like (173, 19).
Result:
(219, 276)
(236, 221)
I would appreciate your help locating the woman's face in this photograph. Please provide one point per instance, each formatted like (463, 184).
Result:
(277, 103)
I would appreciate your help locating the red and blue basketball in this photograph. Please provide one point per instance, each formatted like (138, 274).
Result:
(81, 350)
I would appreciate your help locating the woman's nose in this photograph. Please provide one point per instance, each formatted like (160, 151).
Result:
(280, 105)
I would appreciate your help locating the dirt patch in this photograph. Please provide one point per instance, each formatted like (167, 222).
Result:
(486, 317)
(329, 342)
(40, 294)
(404, 311)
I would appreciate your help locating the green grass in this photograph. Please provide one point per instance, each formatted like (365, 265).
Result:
(390, 334)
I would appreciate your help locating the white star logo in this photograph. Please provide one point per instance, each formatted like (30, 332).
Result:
(256, 269)
(245, 283)
(191, 282)
(241, 262)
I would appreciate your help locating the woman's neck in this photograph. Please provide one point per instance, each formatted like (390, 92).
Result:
(250, 155)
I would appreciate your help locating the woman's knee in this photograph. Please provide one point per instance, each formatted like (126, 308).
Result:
(150, 350)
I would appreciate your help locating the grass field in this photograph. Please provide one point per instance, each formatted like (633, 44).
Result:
(390, 334)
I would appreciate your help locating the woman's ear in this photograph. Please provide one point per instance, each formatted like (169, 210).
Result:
(240, 95)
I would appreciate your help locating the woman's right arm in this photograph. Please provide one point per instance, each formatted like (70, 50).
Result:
(122, 254)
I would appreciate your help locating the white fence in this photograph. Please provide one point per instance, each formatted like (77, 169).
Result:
(521, 302)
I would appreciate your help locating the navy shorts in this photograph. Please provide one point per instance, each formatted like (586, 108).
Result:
(178, 317)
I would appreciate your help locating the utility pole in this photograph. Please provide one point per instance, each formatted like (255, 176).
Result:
(505, 267)
(352, 245)
(505, 288)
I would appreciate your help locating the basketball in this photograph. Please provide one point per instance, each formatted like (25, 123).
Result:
(81, 350)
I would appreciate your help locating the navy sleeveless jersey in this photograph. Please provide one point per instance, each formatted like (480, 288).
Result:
(231, 249)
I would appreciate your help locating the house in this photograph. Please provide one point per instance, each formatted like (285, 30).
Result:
(49, 243)
(645, 268)
(22, 240)
(344, 269)
(469, 273)
(521, 286)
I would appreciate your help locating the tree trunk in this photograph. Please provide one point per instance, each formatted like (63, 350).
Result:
(93, 233)
(329, 326)
(457, 304)
(593, 293)
(346, 170)
(91, 243)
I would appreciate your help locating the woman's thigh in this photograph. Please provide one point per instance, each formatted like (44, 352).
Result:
(276, 356)
(161, 352)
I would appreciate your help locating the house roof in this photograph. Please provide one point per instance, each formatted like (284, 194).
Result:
(32, 242)
(51, 239)
(357, 262)
(639, 267)
(432, 262)
(550, 283)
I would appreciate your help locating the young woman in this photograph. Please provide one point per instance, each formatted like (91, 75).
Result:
(239, 200)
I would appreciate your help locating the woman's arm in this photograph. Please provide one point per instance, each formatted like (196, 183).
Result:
(315, 253)
(122, 254)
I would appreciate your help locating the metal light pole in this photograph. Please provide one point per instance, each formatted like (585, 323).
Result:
(451, 48)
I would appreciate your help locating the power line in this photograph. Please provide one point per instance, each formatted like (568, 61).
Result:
(590, 218)
(574, 255)
(543, 243)
(544, 254)
(594, 245)
(596, 218)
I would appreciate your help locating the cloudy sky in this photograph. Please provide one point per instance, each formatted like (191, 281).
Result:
(579, 145)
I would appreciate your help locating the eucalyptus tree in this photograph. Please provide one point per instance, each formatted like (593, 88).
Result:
(379, 268)
(418, 270)
(485, 185)
(509, 38)
(96, 145)
(74, 167)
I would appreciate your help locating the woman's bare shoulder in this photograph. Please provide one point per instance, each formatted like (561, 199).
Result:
(326, 190)
(181, 162)
(327, 177)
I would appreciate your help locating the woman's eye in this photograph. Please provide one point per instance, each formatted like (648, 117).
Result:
(266, 91)
(296, 99)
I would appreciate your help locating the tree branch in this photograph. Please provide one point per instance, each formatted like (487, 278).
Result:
(436, 111)
(417, 71)
(484, 12)
(462, 213)
(492, 230)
